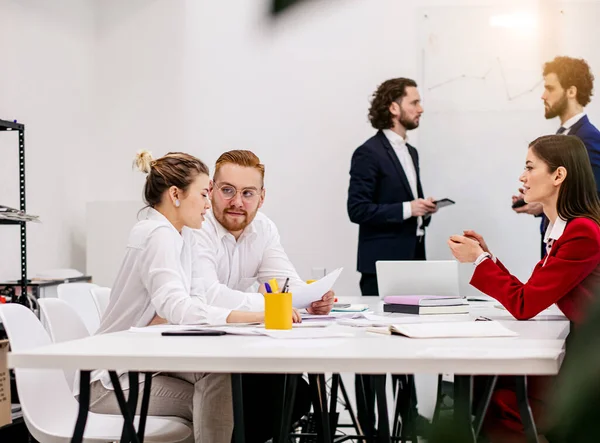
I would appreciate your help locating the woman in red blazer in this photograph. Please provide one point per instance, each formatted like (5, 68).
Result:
(558, 175)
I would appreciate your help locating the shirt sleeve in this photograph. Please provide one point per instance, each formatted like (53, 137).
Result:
(407, 209)
(575, 259)
(160, 265)
(205, 279)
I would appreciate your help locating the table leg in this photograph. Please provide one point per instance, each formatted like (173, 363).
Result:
(125, 411)
(484, 402)
(238, 409)
(319, 397)
(525, 410)
(145, 405)
(84, 406)
(289, 398)
(383, 422)
(463, 396)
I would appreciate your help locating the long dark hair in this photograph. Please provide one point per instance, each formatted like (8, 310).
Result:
(577, 196)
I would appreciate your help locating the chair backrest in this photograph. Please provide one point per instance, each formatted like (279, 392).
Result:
(417, 277)
(63, 324)
(101, 297)
(46, 400)
(79, 297)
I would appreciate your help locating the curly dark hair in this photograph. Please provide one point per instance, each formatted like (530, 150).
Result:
(573, 72)
(387, 93)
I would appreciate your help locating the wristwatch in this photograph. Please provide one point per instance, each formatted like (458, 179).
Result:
(482, 257)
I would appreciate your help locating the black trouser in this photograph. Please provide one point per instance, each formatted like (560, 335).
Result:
(368, 281)
(262, 398)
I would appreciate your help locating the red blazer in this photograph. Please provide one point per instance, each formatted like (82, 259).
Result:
(568, 278)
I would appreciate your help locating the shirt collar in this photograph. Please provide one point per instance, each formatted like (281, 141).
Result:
(394, 138)
(569, 123)
(555, 230)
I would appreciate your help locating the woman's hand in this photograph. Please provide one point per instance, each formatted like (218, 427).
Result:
(323, 306)
(296, 317)
(477, 237)
(465, 250)
(157, 320)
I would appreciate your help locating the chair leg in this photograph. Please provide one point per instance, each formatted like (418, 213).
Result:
(484, 403)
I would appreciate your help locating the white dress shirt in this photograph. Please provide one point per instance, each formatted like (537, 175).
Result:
(401, 150)
(569, 123)
(256, 257)
(553, 233)
(160, 275)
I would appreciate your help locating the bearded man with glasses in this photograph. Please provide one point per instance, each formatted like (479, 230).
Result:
(238, 249)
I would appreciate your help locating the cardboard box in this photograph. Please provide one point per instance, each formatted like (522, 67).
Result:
(5, 411)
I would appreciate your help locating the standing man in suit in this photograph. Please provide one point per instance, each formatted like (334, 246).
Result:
(385, 197)
(568, 88)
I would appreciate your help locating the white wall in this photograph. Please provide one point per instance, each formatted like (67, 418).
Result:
(45, 83)
(206, 76)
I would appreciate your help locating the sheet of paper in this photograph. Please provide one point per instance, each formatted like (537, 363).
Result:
(307, 333)
(304, 296)
(473, 329)
(157, 329)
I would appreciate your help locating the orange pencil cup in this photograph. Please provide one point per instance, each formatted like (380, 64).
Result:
(278, 310)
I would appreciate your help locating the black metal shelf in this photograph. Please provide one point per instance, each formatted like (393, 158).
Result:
(10, 126)
(10, 222)
(6, 125)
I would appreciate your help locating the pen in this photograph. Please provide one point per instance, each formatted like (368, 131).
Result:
(285, 285)
(268, 288)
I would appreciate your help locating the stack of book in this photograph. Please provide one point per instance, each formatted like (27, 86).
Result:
(425, 304)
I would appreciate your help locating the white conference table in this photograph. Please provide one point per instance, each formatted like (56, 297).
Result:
(538, 350)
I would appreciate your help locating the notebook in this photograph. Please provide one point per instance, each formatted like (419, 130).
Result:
(467, 329)
(425, 304)
(426, 310)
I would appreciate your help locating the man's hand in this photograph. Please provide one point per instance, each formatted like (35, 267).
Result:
(323, 306)
(529, 208)
(421, 207)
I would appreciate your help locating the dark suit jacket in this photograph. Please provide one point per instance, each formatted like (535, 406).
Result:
(590, 136)
(378, 188)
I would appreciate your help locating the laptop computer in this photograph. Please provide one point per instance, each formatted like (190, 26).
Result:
(417, 278)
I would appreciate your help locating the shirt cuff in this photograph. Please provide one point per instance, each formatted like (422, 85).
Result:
(217, 316)
(482, 257)
(407, 211)
(256, 302)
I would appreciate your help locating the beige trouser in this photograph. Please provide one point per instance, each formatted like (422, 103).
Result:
(203, 399)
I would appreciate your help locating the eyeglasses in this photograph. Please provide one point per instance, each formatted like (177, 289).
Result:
(228, 192)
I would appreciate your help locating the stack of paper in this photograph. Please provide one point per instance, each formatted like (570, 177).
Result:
(8, 213)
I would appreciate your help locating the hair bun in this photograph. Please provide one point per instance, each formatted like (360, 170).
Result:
(143, 161)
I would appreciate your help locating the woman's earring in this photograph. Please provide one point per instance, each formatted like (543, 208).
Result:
(177, 203)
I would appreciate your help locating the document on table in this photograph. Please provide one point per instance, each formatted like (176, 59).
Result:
(310, 331)
(302, 297)
(467, 329)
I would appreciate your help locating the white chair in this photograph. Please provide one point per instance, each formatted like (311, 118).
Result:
(63, 324)
(101, 298)
(79, 297)
(49, 408)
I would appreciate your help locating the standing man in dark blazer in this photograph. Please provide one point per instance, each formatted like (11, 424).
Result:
(568, 88)
(385, 197)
